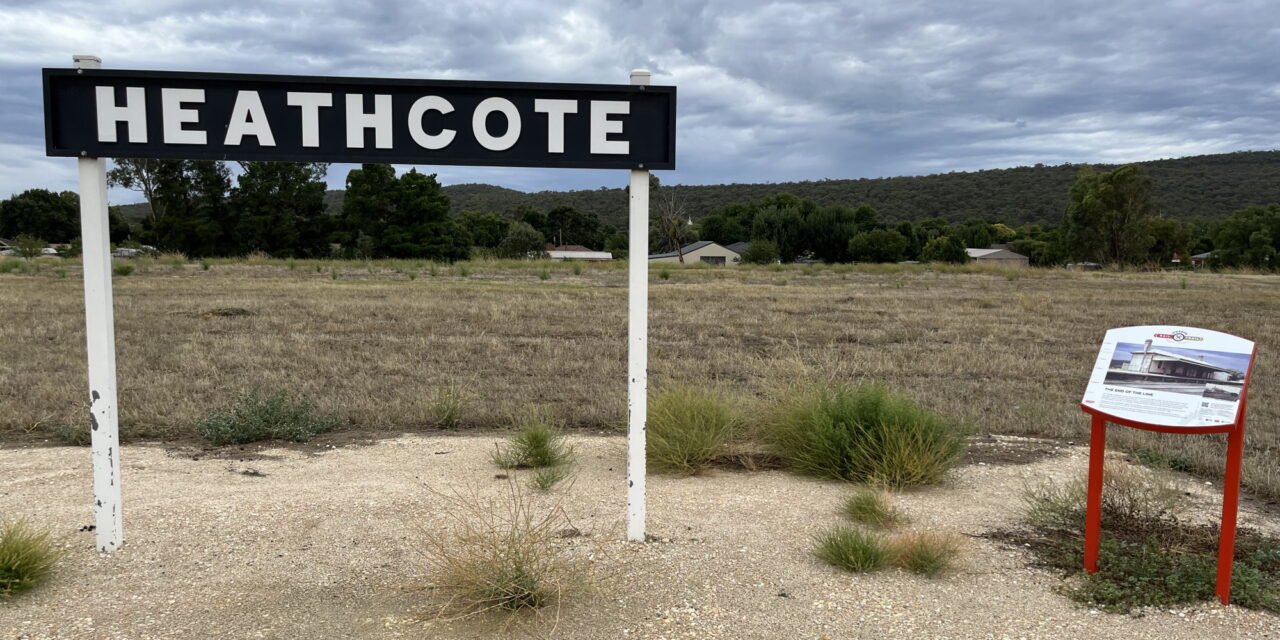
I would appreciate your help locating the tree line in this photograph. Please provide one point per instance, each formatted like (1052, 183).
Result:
(201, 209)
(1183, 189)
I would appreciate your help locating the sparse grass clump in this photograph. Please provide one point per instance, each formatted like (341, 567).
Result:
(1148, 556)
(687, 428)
(546, 478)
(539, 443)
(864, 434)
(279, 416)
(851, 548)
(500, 554)
(872, 508)
(122, 269)
(447, 406)
(927, 554)
(27, 556)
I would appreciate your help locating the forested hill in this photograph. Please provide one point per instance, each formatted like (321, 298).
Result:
(1194, 187)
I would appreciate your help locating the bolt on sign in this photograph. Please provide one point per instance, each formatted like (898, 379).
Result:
(92, 113)
(1170, 380)
(218, 116)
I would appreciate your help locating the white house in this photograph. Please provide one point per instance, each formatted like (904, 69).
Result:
(704, 251)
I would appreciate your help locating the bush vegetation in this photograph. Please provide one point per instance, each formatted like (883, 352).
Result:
(1149, 556)
(688, 427)
(27, 557)
(864, 434)
(279, 416)
(537, 444)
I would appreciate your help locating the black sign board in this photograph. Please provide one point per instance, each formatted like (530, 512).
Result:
(113, 113)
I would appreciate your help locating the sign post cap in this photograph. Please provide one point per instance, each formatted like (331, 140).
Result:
(640, 76)
(86, 61)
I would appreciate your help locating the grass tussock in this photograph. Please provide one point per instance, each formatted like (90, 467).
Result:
(546, 478)
(925, 553)
(539, 443)
(688, 428)
(27, 557)
(851, 549)
(1149, 555)
(864, 434)
(278, 416)
(503, 555)
(448, 404)
(872, 508)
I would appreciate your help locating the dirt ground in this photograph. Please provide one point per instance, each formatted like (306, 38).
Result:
(324, 540)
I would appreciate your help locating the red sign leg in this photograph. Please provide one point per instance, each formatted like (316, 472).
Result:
(1230, 505)
(1093, 507)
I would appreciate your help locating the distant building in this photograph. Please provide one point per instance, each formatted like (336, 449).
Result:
(998, 256)
(738, 247)
(704, 251)
(1201, 259)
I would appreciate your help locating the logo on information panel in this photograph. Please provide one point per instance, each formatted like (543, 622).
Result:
(1179, 336)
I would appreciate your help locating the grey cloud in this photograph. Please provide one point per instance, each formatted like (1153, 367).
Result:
(769, 91)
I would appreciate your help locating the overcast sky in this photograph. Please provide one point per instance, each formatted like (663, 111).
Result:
(768, 91)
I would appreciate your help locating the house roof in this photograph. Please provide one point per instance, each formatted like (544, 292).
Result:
(685, 249)
(580, 255)
(983, 253)
(738, 247)
(570, 247)
(1202, 256)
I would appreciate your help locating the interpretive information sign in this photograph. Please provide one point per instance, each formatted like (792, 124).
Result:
(1170, 380)
(1172, 376)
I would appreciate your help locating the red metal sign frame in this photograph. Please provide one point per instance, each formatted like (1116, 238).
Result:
(1230, 490)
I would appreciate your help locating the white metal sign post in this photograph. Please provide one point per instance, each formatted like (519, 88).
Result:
(637, 342)
(100, 335)
(93, 113)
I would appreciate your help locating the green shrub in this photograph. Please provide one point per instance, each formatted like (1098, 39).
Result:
(664, 274)
(544, 274)
(279, 416)
(871, 508)
(27, 557)
(852, 549)
(536, 445)
(10, 264)
(864, 434)
(577, 268)
(122, 269)
(687, 428)
(927, 554)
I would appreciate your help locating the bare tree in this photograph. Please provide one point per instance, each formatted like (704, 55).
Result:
(671, 221)
(142, 175)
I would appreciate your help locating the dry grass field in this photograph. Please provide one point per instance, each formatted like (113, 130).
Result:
(380, 343)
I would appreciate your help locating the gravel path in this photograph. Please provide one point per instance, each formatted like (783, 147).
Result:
(320, 542)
